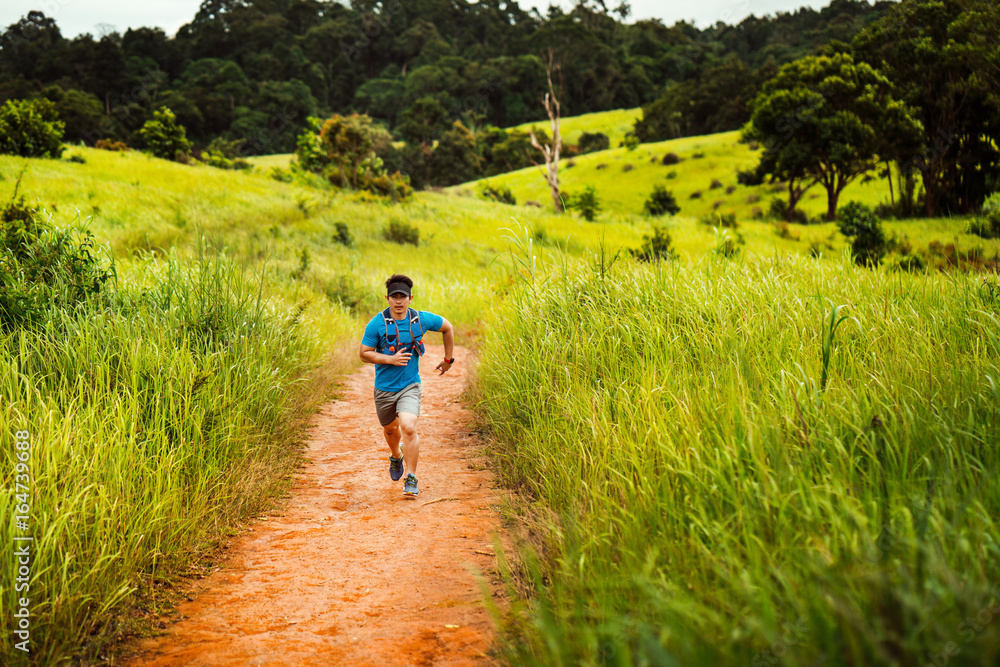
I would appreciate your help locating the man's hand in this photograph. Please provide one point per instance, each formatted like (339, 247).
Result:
(401, 358)
(442, 367)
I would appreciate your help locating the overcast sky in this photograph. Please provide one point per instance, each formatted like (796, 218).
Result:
(95, 16)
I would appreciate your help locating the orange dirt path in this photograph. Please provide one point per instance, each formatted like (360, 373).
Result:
(353, 572)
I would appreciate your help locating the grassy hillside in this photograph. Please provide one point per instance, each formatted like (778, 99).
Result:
(616, 124)
(139, 204)
(624, 180)
(265, 162)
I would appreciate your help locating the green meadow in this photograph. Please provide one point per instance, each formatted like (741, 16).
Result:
(615, 124)
(705, 186)
(689, 489)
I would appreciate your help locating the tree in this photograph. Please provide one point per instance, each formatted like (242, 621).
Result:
(717, 101)
(163, 136)
(550, 151)
(347, 142)
(455, 159)
(943, 58)
(422, 121)
(30, 128)
(80, 111)
(820, 120)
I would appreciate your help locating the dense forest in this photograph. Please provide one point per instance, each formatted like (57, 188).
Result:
(254, 70)
(831, 94)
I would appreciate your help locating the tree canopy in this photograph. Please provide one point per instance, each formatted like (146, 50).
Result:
(820, 119)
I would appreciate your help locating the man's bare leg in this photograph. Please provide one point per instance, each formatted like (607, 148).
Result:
(410, 440)
(392, 435)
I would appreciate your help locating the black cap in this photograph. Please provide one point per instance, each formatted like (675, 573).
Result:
(398, 288)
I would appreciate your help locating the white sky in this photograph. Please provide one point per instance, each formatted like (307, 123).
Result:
(78, 16)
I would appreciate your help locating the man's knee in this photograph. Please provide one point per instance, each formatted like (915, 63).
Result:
(391, 429)
(408, 427)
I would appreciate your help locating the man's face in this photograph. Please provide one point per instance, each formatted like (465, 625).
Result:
(398, 303)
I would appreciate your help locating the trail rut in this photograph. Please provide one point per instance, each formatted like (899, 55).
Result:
(352, 572)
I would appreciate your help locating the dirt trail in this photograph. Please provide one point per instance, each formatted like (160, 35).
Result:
(353, 572)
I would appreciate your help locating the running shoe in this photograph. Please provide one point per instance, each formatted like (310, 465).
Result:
(410, 485)
(396, 467)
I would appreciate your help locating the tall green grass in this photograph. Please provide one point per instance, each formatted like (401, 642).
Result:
(694, 495)
(160, 415)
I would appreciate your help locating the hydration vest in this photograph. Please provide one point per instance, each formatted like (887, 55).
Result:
(389, 342)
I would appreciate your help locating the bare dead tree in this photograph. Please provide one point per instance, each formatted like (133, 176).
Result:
(551, 150)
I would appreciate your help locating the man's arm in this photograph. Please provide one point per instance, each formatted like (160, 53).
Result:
(448, 333)
(370, 356)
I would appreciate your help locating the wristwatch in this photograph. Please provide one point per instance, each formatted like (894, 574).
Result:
(450, 361)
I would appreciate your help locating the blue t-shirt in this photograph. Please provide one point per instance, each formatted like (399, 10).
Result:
(387, 376)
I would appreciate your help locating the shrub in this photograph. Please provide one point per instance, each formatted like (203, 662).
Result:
(587, 203)
(911, 263)
(304, 258)
(395, 186)
(342, 234)
(627, 167)
(108, 145)
(498, 193)
(986, 226)
(783, 231)
(31, 128)
(723, 220)
(727, 245)
(654, 247)
(730, 189)
(717, 203)
(753, 198)
(860, 224)
(778, 210)
(631, 141)
(671, 175)
(749, 176)
(670, 158)
(756, 213)
(223, 154)
(716, 184)
(697, 156)
(696, 194)
(601, 166)
(570, 164)
(591, 142)
(76, 159)
(164, 136)
(992, 203)
(661, 202)
(401, 232)
(42, 268)
(279, 174)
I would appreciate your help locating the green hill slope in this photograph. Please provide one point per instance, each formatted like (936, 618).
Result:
(616, 124)
(704, 184)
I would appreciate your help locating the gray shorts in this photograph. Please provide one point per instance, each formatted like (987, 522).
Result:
(389, 403)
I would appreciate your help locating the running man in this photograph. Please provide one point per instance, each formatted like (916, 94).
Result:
(393, 342)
